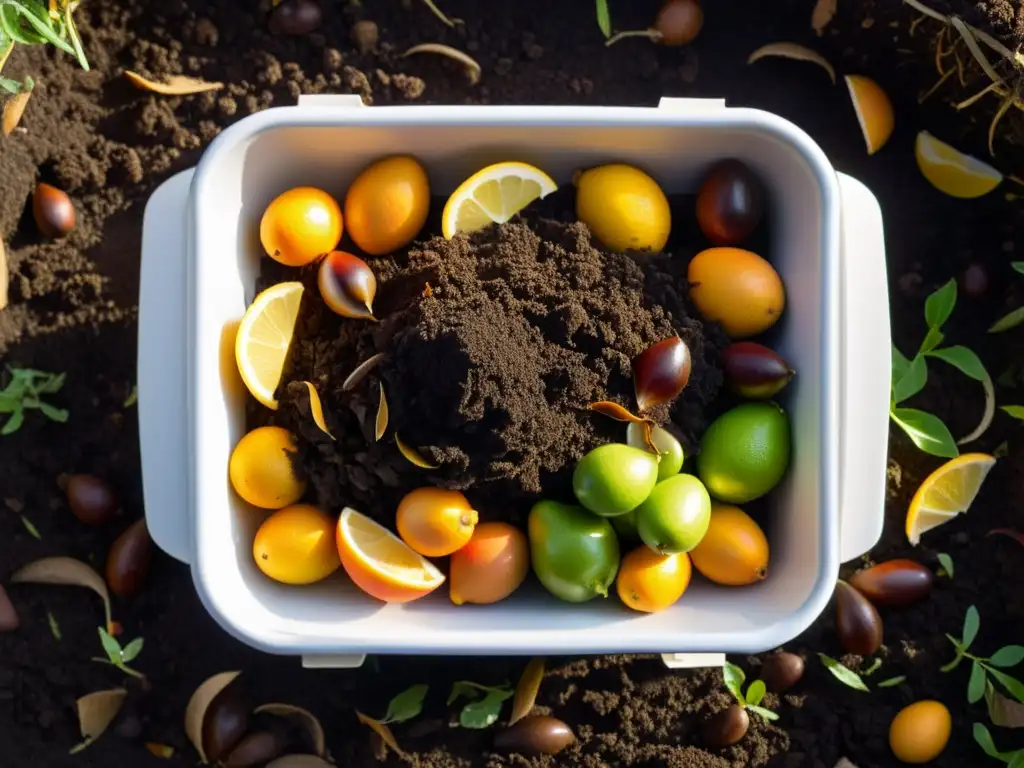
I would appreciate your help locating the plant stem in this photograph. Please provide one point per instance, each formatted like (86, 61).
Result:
(650, 34)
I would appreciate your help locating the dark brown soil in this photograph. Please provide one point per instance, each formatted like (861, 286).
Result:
(74, 306)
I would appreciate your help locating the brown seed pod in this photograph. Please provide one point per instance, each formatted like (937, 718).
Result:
(347, 285)
(535, 735)
(725, 728)
(781, 671)
(128, 560)
(857, 622)
(895, 583)
(730, 203)
(91, 499)
(661, 372)
(679, 22)
(754, 371)
(53, 211)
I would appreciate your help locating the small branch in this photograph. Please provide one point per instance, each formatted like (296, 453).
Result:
(921, 99)
(978, 96)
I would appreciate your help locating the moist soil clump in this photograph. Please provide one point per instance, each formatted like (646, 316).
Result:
(488, 372)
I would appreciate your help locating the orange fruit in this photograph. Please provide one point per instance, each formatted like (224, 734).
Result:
(947, 492)
(874, 111)
(387, 205)
(261, 468)
(434, 521)
(734, 551)
(649, 582)
(736, 289)
(295, 545)
(380, 563)
(919, 732)
(491, 566)
(301, 225)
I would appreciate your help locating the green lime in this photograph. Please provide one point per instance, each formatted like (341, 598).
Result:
(574, 554)
(745, 452)
(669, 449)
(613, 479)
(675, 516)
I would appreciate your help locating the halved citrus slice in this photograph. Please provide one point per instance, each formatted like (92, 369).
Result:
(380, 563)
(947, 492)
(874, 111)
(951, 171)
(264, 335)
(493, 196)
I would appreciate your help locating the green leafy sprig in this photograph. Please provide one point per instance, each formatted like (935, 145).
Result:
(984, 667)
(34, 22)
(983, 738)
(118, 656)
(734, 679)
(406, 705)
(25, 392)
(844, 674)
(480, 712)
(604, 20)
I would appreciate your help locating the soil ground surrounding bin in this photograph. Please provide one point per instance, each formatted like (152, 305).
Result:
(74, 307)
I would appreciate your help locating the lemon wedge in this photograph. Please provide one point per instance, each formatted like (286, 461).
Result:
(493, 196)
(264, 335)
(874, 111)
(947, 492)
(951, 171)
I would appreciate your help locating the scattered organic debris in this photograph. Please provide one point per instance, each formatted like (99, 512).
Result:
(822, 15)
(526, 690)
(316, 409)
(175, 85)
(163, 751)
(35, 22)
(14, 107)
(381, 424)
(65, 571)
(843, 674)
(480, 713)
(473, 70)
(360, 372)
(118, 656)
(983, 667)
(25, 391)
(96, 711)
(793, 51)
(734, 678)
(535, 735)
(404, 707)
(199, 705)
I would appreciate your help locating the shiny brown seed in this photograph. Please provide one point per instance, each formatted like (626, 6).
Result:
(53, 211)
(895, 583)
(296, 17)
(128, 561)
(679, 22)
(661, 372)
(91, 499)
(725, 728)
(225, 724)
(256, 749)
(730, 203)
(857, 622)
(535, 735)
(9, 620)
(365, 35)
(781, 671)
(347, 285)
(754, 371)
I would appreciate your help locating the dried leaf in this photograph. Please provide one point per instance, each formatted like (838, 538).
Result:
(360, 372)
(412, 454)
(175, 85)
(65, 571)
(1003, 711)
(526, 690)
(97, 711)
(14, 108)
(163, 751)
(195, 712)
(472, 68)
(383, 731)
(382, 416)
(299, 761)
(615, 411)
(316, 409)
(4, 275)
(822, 15)
(302, 717)
(792, 51)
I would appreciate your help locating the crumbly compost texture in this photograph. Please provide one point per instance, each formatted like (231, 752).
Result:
(489, 372)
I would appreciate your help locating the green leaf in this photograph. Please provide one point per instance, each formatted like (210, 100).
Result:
(984, 740)
(11, 86)
(756, 692)
(1008, 321)
(734, 679)
(604, 20)
(963, 359)
(926, 431)
(1012, 684)
(31, 528)
(900, 363)
(133, 397)
(1018, 266)
(484, 713)
(14, 423)
(972, 623)
(132, 650)
(53, 414)
(946, 562)
(110, 645)
(1016, 759)
(1017, 411)
(939, 306)
(843, 674)
(892, 682)
(54, 626)
(913, 380)
(462, 688)
(52, 385)
(766, 714)
(1008, 656)
(960, 651)
(406, 705)
(976, 685)
(932, 339)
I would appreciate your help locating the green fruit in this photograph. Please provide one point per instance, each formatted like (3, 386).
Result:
(675, 516)
(574, 554)
(745, 452)
(625, 526)
(669, 449)
(613, 479)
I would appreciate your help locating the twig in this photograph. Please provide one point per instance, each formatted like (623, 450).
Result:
(945, 76)
(978, 96)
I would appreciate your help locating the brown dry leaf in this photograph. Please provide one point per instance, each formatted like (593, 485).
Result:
(303, 717)
(14, 108)
(382, 416)
(163, 751)
(96, 711)
(526, 690)
(195, 712)
(822, 15)
(473, 70)
(380, 749)
(614, 411)
(383, 731)
(175, 85)
(793, 51)
(1002, 711)
(65, 571)
(412, 454)
(299, 761)
(5, 276)
(360, 372)
(316, 409)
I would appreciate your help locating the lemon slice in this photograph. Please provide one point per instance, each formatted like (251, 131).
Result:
(951, 171)
(874, 111)
(264, 335)
(493, 196)
(947, 492)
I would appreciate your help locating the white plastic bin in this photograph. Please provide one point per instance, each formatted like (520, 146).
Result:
(201, 255)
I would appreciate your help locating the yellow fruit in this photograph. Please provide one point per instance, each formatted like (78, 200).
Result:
(951, 171)
(264, 337)
(387, 204)
(920, 732)
(493, 196)
(734, 551)
(624, 208)
(947, 492)
(261, 468)
(491, 566)
(301, 225)
(648, 581)
(874, 111)
(295, 545)
(380, 563)
(435, 521)
(736, 289)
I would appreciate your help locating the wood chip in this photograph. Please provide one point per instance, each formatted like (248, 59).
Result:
(360, 372)
(68, 572)
(383, 731)
(316, 409)
(527, 689)
(5, 276)
(792, 51)
(304, 718)
(195, 712)
(14, 108)
(96, 711)
(175, 85)
(822, 15)
(412, 455)
(473, 70)
(381, 425)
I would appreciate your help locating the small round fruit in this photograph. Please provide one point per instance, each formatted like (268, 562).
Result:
(91, 499)
(614, 478)
(624, 208)
(726, 728)
(651, 582)
(669, 449)
(435, 521)
(736, 289)
(920, 732)
(575, 554)
(301, 225)
(295, 545)
(491, 566)
(53, 211)
(781, 671)
(730, 203)
(387, 205)
(675, 517)
(679, 22)
(261, 469)
(745, 452)
(625, 526)
(734, 551)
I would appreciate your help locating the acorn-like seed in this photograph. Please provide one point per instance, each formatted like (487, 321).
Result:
(128, 561)
(679, 22)
(91, 500)
(53, 211)
(857, 622)
(347, 285)
(661, 372)
(365, 35)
